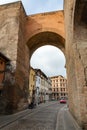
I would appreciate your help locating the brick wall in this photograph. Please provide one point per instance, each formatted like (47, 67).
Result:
(76, 51)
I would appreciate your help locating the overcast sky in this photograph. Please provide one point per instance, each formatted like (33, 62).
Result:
(48, 58)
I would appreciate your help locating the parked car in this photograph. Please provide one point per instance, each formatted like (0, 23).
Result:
(62, 101)
(53, 99)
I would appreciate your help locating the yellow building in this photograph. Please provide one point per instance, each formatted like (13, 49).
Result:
(31, 85)
(59, 87)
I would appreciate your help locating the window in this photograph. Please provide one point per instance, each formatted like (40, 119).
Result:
(56, 80)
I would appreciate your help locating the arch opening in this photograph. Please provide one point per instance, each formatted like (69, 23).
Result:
(50, 60)
(47, 63)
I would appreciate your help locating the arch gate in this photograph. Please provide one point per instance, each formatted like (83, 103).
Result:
(21, 35)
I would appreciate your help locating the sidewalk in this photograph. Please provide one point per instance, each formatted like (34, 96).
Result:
(65, 120)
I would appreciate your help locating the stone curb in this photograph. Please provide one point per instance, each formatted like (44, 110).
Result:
(65, 108)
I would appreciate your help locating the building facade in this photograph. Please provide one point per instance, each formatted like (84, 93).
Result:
(31, 85)
(59, 87)
(49, 82)
(37, 85)
(43, 87)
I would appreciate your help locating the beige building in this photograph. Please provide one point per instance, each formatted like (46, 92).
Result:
(59, 87)
(31, 85)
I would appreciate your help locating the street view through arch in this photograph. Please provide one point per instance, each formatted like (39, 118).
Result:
(20, 36)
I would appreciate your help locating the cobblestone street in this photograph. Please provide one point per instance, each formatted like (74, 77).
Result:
(48, 116)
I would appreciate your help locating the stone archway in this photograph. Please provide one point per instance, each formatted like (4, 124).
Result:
(46, 38)
(25, 34)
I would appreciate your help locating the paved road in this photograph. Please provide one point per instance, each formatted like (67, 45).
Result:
(52, 116)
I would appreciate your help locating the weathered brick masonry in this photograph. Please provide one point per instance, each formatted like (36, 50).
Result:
(12, 44)
(76, 58)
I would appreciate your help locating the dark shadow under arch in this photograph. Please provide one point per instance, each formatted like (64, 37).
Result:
(80, 12)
